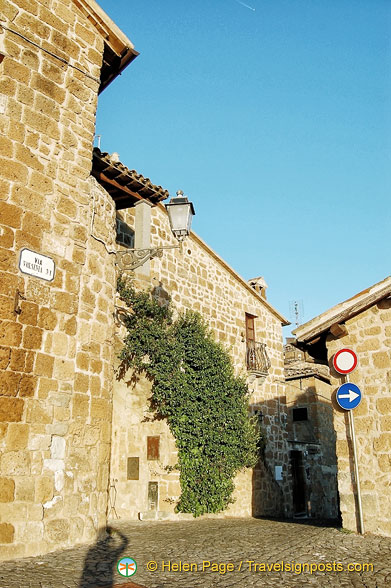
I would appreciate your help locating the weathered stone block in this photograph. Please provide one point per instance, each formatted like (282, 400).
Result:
(7, 490)
(7, 532)
(29, 313)
(32, 337)
(53, 72)
(8, 87)
(44, 489)
(34, 223)
(10, 333)
(39, 412)
(382, 359)
(6, 147)
(9, 383)
(383, 405)
(16, 172)
(385, 423)
(95, 385)
(40, 182)
(67, 206)
(6, 307)
(57, 530)
(40, 442)
(65, 302)
(57, 447)
(384, 461)
(45, 386)
(96, 366)
(64, 369)
(16, 70)
(59, 344)
(47, 87)
(382, 443)
(27, 157)
(15, 463)
(6, 236)
(79, 255)
(100, 409)
(28, 240)
(80, 405)
(25, 489)
(44, 365)
(17, 436)
(70, 326)
(82, 383)
(47, 319)
(27, 386)
(8, 260)
(11, 409)
(31, 532)
(8, 284)
(16, 130)
(362, 408)
(5, 354)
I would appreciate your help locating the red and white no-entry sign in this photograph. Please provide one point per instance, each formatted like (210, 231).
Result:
(344, 361)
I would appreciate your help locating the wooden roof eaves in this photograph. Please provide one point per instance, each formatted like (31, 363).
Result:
(119, 49)
(343, 311)
(101, 176)
(111, 33)
(117, 178)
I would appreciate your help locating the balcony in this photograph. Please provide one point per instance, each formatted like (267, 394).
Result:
(257, 359)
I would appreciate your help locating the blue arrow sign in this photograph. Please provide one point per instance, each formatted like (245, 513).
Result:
(348, 396)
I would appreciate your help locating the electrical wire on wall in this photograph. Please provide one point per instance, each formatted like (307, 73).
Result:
(85, 73)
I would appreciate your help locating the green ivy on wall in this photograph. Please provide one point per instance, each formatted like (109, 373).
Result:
(195, 389)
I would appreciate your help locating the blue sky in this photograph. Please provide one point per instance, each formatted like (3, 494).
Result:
(276, 123)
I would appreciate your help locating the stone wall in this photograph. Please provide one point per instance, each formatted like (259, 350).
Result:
(315, 439)
(195, 277)
(56, 354)
(369, 335)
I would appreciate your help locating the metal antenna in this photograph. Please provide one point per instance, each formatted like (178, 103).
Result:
(296, 308)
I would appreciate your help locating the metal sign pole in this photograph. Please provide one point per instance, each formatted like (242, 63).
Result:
(356, 474)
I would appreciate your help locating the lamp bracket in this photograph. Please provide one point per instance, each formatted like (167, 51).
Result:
(134, 258)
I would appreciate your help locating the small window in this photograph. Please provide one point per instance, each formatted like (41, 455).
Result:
(300, 414)
(250, 328)
(125, 234)
(153, 449)
(133, 468)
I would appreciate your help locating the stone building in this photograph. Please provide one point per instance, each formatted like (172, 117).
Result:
(363, 324)
(64, 213)
(311, 435)
(194, 277)
(57, 274)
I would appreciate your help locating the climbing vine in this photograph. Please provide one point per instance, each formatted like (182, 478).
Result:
(195, 389)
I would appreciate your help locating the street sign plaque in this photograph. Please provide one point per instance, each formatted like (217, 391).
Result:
(37, 265)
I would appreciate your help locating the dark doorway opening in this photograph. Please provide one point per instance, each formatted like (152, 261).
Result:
(298, 483)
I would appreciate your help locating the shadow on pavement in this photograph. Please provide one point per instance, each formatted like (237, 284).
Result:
(311, 522)
(100, 564)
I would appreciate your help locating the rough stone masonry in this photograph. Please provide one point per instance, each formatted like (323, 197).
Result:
(56, 337)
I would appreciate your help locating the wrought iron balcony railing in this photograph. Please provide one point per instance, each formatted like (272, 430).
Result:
(257, 359)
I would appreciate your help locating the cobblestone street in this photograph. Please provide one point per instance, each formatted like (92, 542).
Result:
(200, 544)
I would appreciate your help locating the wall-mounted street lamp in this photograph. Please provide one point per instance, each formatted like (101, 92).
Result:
(180, 214)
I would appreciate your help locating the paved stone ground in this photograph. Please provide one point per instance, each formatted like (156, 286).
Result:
(218, 541)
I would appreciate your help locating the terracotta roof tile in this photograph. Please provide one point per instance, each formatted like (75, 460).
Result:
(125, 185)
